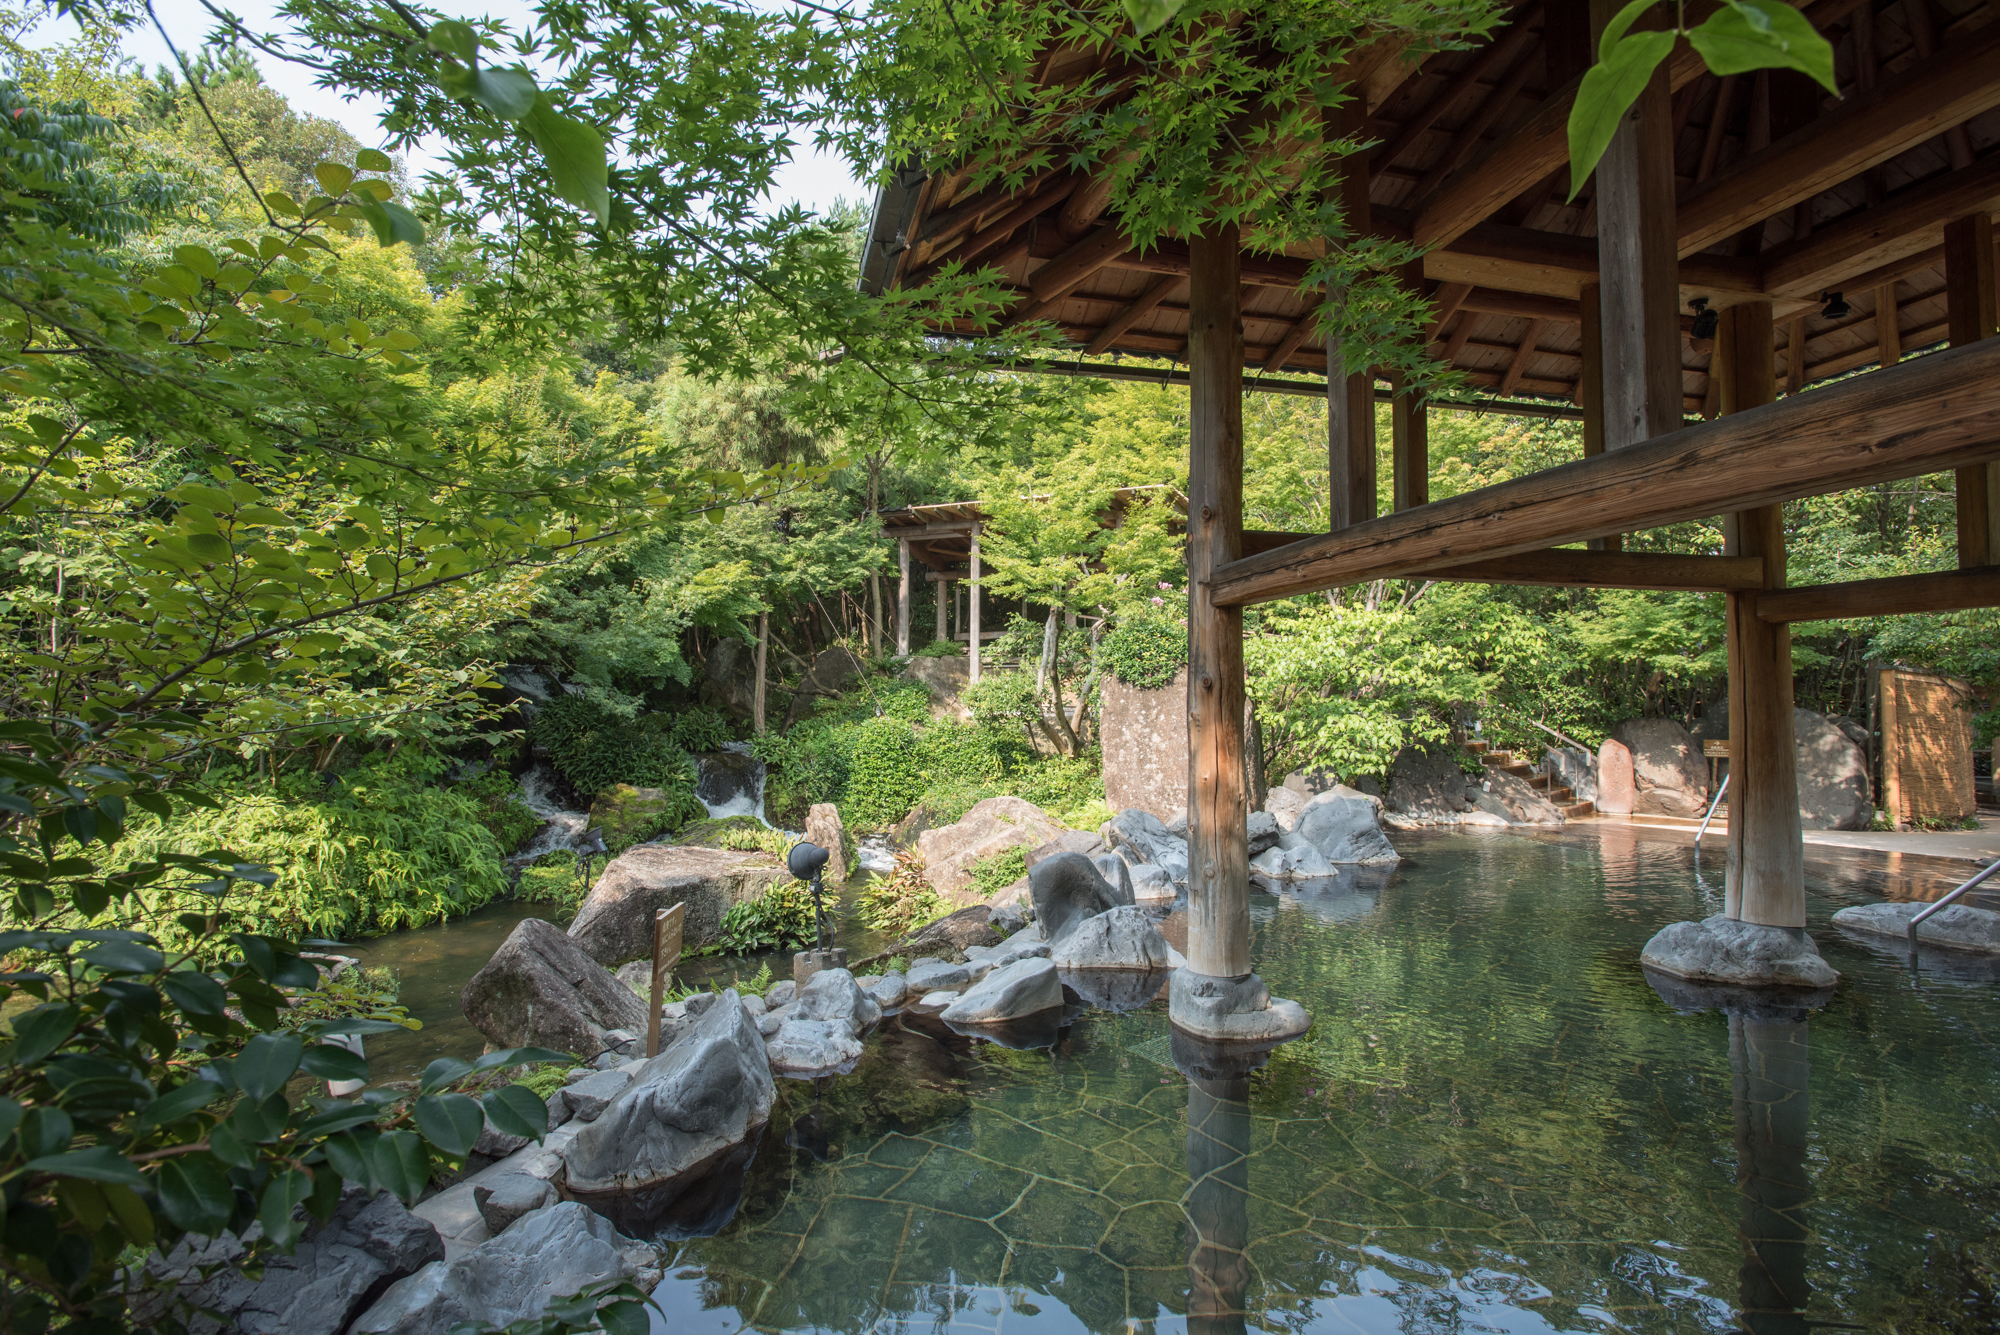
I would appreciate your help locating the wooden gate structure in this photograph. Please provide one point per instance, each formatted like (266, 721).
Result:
(1829, 234)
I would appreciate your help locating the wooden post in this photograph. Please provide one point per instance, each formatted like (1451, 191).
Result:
(1888, 333)
(666, 954)
(757, 722)
(972, 592)
(1218, 845)
(1590, 390)
(943, 608)
(1409, 431)
(1766, 882)
(1350, 399)
(1970, 317)
(1639, 273)
(903, 597)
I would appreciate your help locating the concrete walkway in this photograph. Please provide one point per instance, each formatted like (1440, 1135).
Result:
(1980, 846)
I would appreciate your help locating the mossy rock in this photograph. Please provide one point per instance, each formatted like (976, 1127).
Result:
(742, 834)
(629, 815)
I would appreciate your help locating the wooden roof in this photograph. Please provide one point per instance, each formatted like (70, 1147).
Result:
(1784, 191)
(940, 535)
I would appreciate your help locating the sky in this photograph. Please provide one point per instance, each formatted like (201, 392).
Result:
(812, 179)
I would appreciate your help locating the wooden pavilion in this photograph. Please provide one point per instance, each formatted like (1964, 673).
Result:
(1829, 235)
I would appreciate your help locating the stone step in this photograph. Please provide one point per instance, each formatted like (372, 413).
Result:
(1559, 794)
(1573, 810)
(1477, 748)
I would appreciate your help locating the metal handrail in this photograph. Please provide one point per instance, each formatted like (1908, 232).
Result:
(1929, 909)
(1711, 814)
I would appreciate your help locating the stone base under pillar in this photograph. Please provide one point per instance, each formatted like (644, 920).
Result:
(1734, 953)
(1232, 1010)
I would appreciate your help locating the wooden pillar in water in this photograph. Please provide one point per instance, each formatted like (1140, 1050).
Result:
(1970, 317)
(903, 596)
(1767, 875)
(1218, 844)
(972, 592)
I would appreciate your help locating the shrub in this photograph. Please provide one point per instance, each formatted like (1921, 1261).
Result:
(884, 779)
(902, 901)
(991, 875)
(501, 811)
(808, 764)
(741, 834)
(1145, 651)
(781, 919)
(593, 748)
(555, 877)
(940, 649)
(698, 729)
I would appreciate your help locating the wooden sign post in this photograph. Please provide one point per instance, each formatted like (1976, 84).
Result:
(666, 954)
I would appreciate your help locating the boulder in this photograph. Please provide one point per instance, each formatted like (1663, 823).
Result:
(780, 993)
(1572, 768)
(1116, 874)
(730, 784)
(541, 990)
(808, 1049)
(933, 975)
(890, 990)
(993, 826)
(946, 680)
(950, 935)
(1006, 918)
(1295, 858)
(1284, 806)
(1956, 927)
(1345, 825)
(832, 673)
(729, 678)
(1669, 776)
(550, 1254)
(338, 1269)
(1262, 829)
(594, 1093)
(625, 815)
(1152, 885)
(1114, 990)
(1118, 938)
(615, 923)
(1144, 735)
(1427, 784)
(1067, 890)
(684, 1111)
(1310, 782)
(1520, 801)
(1367, 783)
(833, 996)
(1085, 842)
(1023, 988)
(1143, 837)
(1726, 950)
(1834, 788)
(1617, 791)
(823, 827)
(503, 1199)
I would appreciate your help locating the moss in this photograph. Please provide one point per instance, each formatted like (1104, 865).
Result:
(742, 834)
(991, 875)
(627, 815)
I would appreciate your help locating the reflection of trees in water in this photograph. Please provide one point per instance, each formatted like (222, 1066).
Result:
(1773, 1113)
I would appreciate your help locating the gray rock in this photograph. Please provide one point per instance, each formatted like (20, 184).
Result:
(1369, 784)
(683, 1112)
(1725, 950)
(1177, 825)
(1068, 889)
(936, 1001)
(615, 923)
(1115, 990)
(1834, 791)
(592, 1095)
(541, 990)
(1345, 825)
(1117, 874)
(933, 975)
(1237, 1010)
(336, 1272)
(1283, 805)
(637, 975)
(1119, 938)
(1151, 884)
(548, 1255)
(780, 994)
(497, 1144)
(1669, 776)
(951, 935)
(1295, 858)
(698, 1003)
(1143, 838)
(1426, 783)
(1025, 987)
(1520, 801)
(754, 1007)
(890, 991)
(503, 1199)
(1573, 769)
(1487, 810)
(770, 1022)
(1263, 831)
(1085, 842)
(1006, 919)
(559, 1113)
(831, 995)
(1956, 927)
(809, 1048)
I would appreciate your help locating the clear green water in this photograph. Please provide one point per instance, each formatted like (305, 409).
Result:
(1495, 1125)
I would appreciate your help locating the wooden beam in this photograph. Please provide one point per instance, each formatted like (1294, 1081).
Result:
(1445, 304)
(1132, 314)
(1497, 257)
(1903, 225)
(1078, 263)
(1888, 333)
(1795, 356)
(1502, 51)
(1862, 131)
(1301, 329)
(1171, 257)
(1217, 798)
(1519, 366)
(1970, 318)
(986, 238)
(1929, 414)
(1571, 569)
(1895, 595)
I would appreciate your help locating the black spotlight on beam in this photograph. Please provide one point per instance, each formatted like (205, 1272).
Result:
(1836, 307)
(1705, 320)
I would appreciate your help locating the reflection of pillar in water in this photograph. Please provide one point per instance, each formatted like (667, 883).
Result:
(1770, 1061)
(1218, 1162)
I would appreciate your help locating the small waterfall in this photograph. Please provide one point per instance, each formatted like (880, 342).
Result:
(561, 828)
(876, 854)
(730, 782)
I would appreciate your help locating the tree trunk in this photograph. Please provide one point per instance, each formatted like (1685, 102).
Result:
(1089, 683)
(757, 692)
(1051, 641)
(1048, 654)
